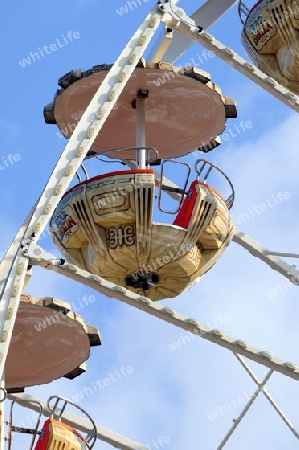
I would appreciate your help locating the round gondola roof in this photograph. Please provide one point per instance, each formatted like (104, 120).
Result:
(184, 110)
(48, 342)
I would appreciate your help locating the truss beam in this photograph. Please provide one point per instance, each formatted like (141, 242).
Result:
(205, 16)
(108, 289)
(244, 411)
(287, 270)
(260, 388)
(13, 274)
(13, 281)
(6, 263)
(268, 397)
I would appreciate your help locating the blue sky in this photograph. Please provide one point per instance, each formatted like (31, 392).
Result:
(168, 393)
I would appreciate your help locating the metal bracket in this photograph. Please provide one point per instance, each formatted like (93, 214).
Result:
(37, 254)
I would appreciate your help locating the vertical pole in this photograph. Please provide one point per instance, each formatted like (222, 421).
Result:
(140, 130)
(2, 401)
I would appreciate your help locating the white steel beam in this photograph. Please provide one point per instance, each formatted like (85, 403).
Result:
(205, 17)
(287, 270)
(10, 299)
(162, 44)
(2, 405)
(176, 18)
(73, 420)
(39, 257)
(268, 397)
(237, 421)
(260, 388)
(140, 132)
(7, 261)
(9, 306)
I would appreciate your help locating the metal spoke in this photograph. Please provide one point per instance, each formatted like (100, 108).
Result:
(268, 396)
(244, 411)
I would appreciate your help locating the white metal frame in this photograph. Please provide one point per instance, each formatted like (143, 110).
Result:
(24, 251)
(205, 17)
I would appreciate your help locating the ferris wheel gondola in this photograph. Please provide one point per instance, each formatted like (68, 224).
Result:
(54, 434)
(270, 37)
(105, 225)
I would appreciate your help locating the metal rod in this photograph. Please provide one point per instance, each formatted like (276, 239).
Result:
(140, 132)
(2, 402)
(244, 411)
(283, 255)
(268, 396)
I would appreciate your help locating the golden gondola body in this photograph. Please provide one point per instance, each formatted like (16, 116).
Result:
(105, 226)
(271, 39)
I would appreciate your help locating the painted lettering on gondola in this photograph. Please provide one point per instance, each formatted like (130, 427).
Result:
(122, 235)
(66, 227)
(261, 28)
(60, 218)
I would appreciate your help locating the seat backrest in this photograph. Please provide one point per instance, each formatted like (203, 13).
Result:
(184, 215)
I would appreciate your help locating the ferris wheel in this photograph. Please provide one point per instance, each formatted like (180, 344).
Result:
(136, 235)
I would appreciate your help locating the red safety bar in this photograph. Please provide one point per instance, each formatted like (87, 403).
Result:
(255, 5)
(184, 215)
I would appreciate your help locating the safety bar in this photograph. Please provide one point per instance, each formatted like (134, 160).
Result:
(163, 187)
(243, 10)
(91, 437)
(12, 428)
(210, 166)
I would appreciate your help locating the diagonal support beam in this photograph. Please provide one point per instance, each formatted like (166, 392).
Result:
(205, 17)
(245, 410)
(287, 270)
(39, 257)
(268, 396)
